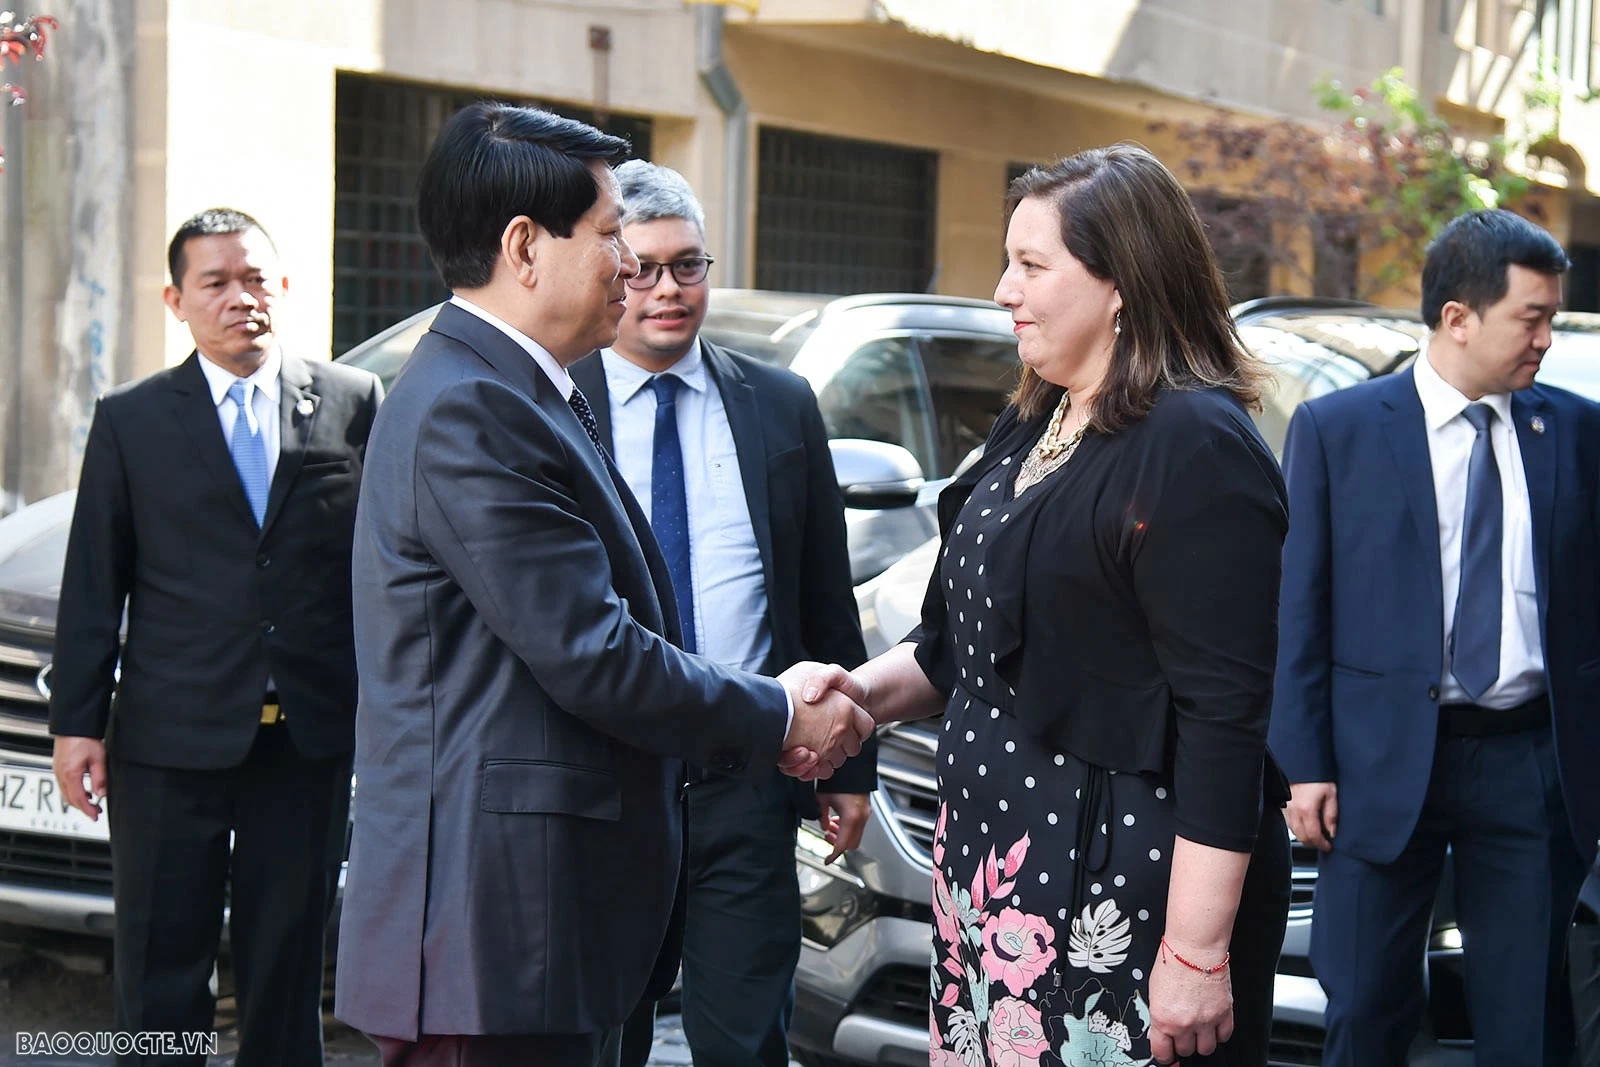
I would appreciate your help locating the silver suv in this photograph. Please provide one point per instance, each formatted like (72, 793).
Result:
(908, 384)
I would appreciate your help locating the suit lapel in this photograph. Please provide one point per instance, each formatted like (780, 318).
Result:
(1539, 451)
(197, 414)
(518, 368)
(294, 430)
(750, 442)
(1406, 429)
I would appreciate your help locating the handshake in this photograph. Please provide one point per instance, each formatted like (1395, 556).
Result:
(830, 721)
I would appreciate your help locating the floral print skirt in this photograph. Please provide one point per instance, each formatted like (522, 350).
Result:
(1050, 892)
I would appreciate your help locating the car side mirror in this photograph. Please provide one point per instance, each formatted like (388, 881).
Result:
(874, 475)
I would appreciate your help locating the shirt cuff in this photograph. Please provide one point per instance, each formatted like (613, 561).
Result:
(788, 723)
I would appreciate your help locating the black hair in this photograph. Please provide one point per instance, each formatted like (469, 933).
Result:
(212, 222)
(492, 162)
(1470, 260)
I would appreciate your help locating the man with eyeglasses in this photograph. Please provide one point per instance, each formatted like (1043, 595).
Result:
(729, 458)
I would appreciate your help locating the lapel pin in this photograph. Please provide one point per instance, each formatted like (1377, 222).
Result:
(1537, 423)
(306, 407)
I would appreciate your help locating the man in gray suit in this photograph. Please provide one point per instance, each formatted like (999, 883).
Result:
(525, 710)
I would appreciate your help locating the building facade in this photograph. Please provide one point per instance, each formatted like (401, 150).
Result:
(838, 145)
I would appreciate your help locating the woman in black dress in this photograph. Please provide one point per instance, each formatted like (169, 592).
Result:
(1112, 871)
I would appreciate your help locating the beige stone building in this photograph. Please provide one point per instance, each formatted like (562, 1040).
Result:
(839, 145)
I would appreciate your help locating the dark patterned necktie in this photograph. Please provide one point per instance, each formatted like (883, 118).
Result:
(669, 505)
(580, 407)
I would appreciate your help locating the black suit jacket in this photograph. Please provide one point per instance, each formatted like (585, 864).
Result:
(797, 513)
(213, 603)
(524, 712)
(1135, 603)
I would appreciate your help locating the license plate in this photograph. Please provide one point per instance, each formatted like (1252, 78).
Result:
(31, 802)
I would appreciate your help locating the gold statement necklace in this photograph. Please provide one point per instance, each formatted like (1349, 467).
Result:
(1051, 453)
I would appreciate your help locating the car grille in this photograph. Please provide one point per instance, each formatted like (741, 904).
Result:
(896, 994)
(908, 785)
(24, 710)
(1303, 881)
(48, 862)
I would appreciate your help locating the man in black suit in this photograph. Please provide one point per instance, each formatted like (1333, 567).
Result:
(216, 505)
(525, 707)
(731, 459)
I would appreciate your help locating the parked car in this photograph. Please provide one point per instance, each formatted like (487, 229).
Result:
(907, 384)
(862, 986)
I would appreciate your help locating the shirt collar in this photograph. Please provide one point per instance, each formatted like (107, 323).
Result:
(1442, 401)
(265, 378)
(553, 370)
(625, 378)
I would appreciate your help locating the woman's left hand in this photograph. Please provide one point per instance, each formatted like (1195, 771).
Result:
(1190, 1013)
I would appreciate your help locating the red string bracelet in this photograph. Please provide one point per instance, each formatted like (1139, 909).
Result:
(1207, 971)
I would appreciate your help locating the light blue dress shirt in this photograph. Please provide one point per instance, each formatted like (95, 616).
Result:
(725, 562)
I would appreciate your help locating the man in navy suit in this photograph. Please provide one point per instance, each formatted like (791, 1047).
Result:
(1439, 659)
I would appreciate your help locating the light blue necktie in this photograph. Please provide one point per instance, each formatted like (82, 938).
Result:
(669, 506)
(1475, 638)
(249, 450)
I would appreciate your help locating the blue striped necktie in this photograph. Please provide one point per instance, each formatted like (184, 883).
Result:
(249, 452)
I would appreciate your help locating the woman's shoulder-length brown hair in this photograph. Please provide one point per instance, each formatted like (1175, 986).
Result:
(1128, 220)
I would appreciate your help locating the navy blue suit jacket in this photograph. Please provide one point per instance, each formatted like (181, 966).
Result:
(1360, 652)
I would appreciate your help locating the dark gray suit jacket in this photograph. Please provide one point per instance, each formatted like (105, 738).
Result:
(524, 712)
(797, 514)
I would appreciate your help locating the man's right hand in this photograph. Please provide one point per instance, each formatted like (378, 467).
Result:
(1313, 813)
(73, 758)
(829, 727)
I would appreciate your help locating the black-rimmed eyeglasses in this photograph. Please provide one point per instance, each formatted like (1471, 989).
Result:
(691, 271)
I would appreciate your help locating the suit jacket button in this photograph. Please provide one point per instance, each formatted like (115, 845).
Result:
(1433, 692)
(267, 628)
(263, 561)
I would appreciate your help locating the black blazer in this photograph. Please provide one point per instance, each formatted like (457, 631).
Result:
(524, 712)
(213, 603)
(798, 516)
(1135, 603)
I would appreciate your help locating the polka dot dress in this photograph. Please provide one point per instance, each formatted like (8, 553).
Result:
(1051, 875)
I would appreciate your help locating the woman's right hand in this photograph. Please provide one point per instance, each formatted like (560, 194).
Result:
(1190, 1013)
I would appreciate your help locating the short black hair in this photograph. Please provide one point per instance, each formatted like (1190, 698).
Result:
(211, 222)
(1470, 260)
(492, 162)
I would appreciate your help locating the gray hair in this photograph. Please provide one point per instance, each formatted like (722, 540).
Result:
(650, 192)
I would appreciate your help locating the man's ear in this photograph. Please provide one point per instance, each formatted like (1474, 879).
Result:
(172, 296)
(519, 249)
(1453, 320)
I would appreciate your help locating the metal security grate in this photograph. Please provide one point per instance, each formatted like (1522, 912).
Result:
(382, 131)
(842, 216)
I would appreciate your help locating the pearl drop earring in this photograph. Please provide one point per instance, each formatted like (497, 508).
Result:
(1116, 329)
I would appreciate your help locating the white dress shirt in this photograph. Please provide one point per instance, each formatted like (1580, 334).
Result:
(730, 590)
(261, 392)
(1450, 439)
(547, 363)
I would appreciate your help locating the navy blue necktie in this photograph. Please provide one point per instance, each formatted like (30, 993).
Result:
(1475, 638)
(669, 504)
(580, 407)
(249, 452)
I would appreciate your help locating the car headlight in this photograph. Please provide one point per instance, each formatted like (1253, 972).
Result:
(834, 901)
